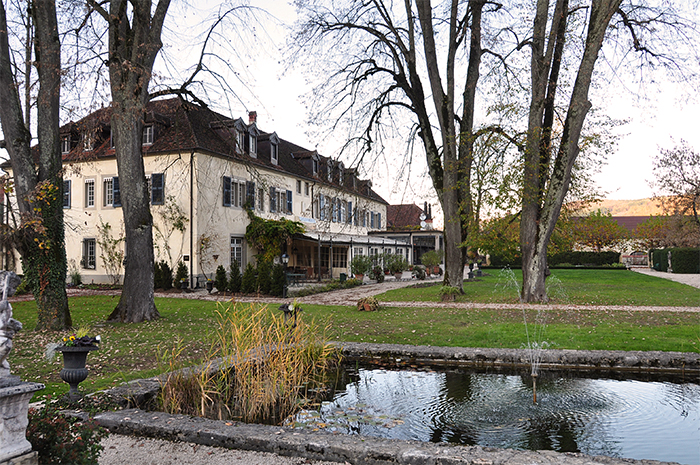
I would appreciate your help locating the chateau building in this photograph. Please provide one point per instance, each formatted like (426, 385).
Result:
(203, 169)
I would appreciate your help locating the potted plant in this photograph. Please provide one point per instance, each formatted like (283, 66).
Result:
(432, 260)
(210, 285)
(377, 274)
(396, 264)
(75, 349)
(360, 265)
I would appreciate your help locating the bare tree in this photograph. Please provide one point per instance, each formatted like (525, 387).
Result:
(392, 52)
(550, 154)
(677, 174)
(38, 182)
(134, 30)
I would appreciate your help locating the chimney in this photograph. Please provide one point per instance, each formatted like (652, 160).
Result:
(252, 117)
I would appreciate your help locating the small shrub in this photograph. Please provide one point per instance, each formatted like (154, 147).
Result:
(162, 276)
(431, 258)
(277, 281)
(396, 263)
(58, 439)
(76, 279)
(180, 274)
(249, 282)
(264, 271)
(368, 304)
(449, 293)
(220, 280)
(419, 272)
(234, 282)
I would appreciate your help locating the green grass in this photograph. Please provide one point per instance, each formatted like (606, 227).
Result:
(131, 351)
(583, 287)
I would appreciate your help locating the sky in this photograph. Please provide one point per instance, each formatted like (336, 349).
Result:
(276, 92)
(663, 115)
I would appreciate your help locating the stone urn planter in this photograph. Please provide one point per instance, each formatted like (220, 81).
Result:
(398, 276)
(210, 285)
(74, 371)
(359, 276)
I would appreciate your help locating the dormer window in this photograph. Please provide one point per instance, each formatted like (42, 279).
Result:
(315, 166)
(252, 145)
(330, 170)
(340, 173)
(88, 142)
(274, 154)
(147, 136)
(65, 144)
(240, 141)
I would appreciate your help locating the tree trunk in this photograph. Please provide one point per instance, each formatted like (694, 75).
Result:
(39, 186)
(134, 43)
(544, 193)
(136, 303)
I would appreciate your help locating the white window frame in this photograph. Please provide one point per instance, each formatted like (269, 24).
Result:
(252, 144)
(274, 154)
(65, 144)
(89, 193)
(147, 136)
(237, 251)
(108, 191)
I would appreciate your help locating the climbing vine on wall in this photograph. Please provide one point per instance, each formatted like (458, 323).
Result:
(267, 236)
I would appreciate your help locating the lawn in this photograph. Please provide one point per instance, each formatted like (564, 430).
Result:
(584, 287)
(132, 351)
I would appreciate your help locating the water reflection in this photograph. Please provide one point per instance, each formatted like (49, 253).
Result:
(632, 419)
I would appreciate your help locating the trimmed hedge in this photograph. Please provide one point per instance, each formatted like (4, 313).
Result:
(570, 258)
(584, 258)
(683, 260)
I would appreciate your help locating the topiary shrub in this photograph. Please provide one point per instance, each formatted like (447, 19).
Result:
(162, 276)
(220, 280)
(234, 282)
(264, 271)
(249, 282)
(180, 274)
(277, 281)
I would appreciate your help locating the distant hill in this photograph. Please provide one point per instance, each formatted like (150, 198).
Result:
(639, 207)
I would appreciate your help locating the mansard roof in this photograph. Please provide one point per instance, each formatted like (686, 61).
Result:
(186, 127)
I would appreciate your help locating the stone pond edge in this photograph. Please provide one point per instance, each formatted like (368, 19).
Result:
(320, 445)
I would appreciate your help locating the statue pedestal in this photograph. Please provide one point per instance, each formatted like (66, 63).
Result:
(14, 404)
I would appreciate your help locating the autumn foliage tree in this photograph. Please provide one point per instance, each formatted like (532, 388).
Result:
(38, 183)
(599, 231)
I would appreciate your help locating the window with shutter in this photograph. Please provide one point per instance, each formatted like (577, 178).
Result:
(273, 199)
(289, 202)
(157, 189)
(227, 191)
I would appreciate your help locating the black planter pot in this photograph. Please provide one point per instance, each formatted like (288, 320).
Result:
(74, 371)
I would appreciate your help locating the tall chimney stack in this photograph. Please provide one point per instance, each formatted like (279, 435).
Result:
(252, 117)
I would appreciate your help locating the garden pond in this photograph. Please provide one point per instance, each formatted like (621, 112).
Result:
(638, 417)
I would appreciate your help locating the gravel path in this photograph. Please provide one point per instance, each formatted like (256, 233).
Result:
(121, 449)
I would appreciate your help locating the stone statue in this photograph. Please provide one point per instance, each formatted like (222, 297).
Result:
(8, 325)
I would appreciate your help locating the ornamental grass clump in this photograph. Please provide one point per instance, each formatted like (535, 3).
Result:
(258, 369)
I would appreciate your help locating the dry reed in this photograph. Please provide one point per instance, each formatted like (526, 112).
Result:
(258, 369)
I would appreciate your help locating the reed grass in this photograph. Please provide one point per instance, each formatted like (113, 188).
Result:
(258, 369)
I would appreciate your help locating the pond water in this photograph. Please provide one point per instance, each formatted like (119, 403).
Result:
(657, 420)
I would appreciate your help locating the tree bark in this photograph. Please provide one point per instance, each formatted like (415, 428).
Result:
(134, 43)
(39, 186)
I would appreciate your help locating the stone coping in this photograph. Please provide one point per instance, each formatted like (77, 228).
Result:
(357, 450)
